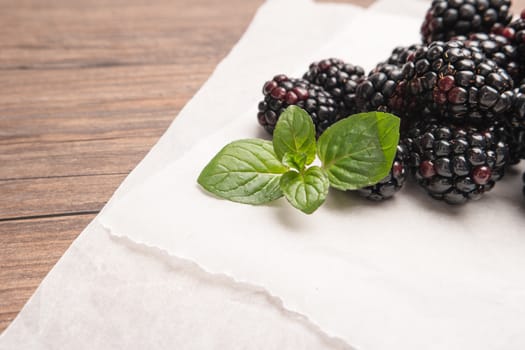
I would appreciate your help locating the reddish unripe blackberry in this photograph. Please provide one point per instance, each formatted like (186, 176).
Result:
(393, 182)
(448, 18)
(338, 78)
(281, 92)
(456, 164)
(497, 48)
(458, 84)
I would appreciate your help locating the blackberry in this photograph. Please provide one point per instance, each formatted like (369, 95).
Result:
(511, 127)
(382, 90)
(458, 83)
(385, 90)
(338, 78)
(514, 137)
(393, 182)
(401, 54)
(497, 48)
(515, 33)
(518, 108)
(447, 19)
(456, 164)
(281, 92)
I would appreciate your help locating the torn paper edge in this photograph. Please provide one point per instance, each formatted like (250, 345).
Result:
(230, 282)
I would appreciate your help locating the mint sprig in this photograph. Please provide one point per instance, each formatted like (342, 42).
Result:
(355, 152)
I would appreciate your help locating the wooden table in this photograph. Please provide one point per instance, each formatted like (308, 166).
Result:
(86, 88)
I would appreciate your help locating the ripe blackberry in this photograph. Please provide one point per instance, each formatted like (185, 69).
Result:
(513, 137)
(281, 92)
(393, 182)
(338, 78)
(496, 48)
(456, 164)
(457, 83)
(400, 54)
(510, 128)
(385, 90)
(515, 33)
(448, 18)
(382, 90)
(518, 108)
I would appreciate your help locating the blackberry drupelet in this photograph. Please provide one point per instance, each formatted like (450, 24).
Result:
(497, 48)
(281, 92)
(448, 18)
(458, 84)
(456, 164)
(393, 182)
(338, 78)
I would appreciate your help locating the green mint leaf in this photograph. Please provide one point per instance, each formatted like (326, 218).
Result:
(306, 191)
(245, 171)
(358, 151)
(295, 161)
(294, 133)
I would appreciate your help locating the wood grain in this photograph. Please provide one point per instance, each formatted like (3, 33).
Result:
(86, 88)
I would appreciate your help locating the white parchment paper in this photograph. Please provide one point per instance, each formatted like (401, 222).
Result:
(410, 273)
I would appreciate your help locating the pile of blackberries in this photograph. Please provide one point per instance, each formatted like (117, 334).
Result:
(460, 94)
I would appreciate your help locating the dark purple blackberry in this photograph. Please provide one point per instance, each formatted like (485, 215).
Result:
(510, 128)
(281, 92)
(515, 33)
(518, 108)
(393, 182)
(514, 137)
(338, 78)
(456, 164)
(458, 84)
(382, 90)
(496, 48)
(385, 90)
(447, 19)
(401, 54)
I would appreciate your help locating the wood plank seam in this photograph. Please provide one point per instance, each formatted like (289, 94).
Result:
(46, 216)
(62, 176)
